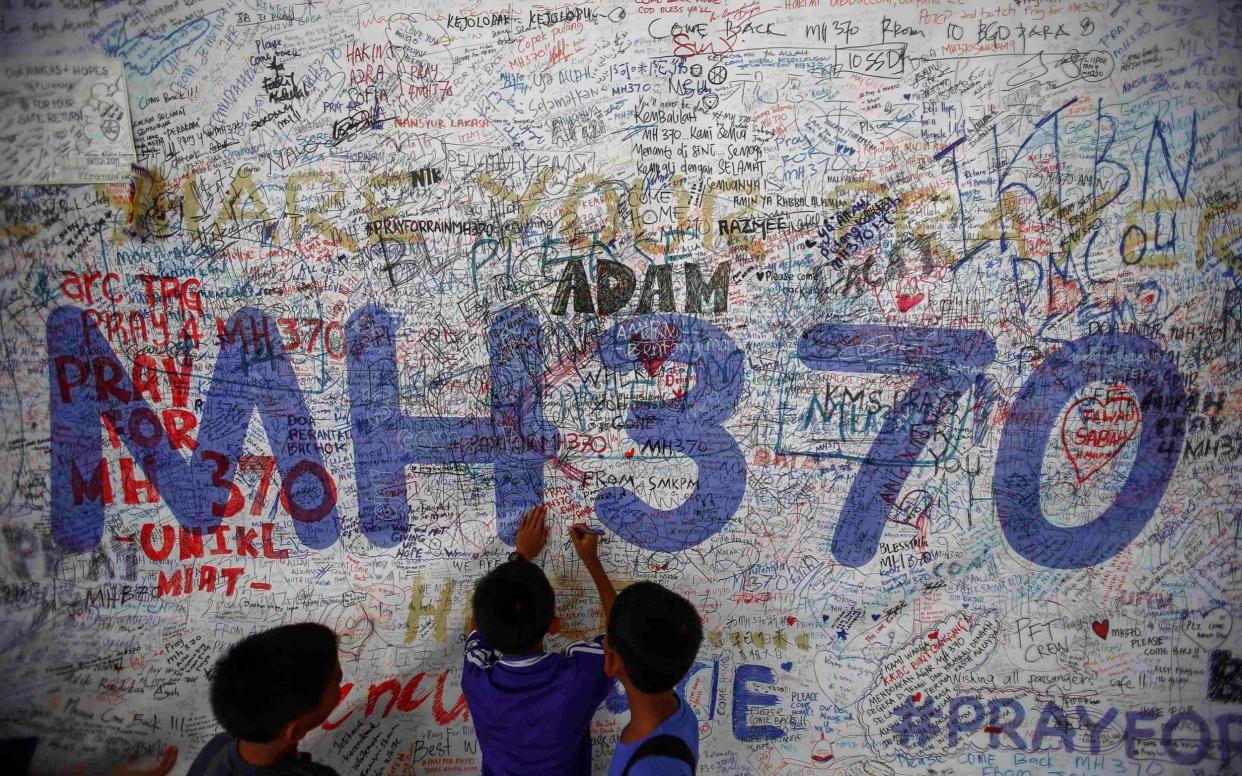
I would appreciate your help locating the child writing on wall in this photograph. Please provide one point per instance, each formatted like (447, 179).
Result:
(532, 709)
(268, 691)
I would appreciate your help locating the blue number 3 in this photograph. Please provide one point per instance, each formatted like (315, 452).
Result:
(690, 424)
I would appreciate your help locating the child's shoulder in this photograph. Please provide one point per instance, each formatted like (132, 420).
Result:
(298, 766)
(306, 767)
(584, 647)
(481, 655)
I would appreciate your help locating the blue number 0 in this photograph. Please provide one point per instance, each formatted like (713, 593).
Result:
(1126, 359)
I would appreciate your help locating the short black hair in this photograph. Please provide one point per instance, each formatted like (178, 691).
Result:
(513, 607)
(656, 633)
(270, 678)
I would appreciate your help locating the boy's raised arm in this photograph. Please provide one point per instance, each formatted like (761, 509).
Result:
(586, 544)
(532, 534)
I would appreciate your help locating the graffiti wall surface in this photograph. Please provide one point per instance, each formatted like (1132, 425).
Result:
(901, 337)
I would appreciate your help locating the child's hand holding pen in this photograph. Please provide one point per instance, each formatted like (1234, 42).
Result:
(586, 541)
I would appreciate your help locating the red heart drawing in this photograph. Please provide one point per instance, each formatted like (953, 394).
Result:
(1100, 628)
(791, 620)
(918, 696)
(652, 353)
(907, 301)
(933, 635)
(629, 453)
(1095, 431)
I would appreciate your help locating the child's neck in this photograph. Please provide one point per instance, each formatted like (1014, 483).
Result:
(267, 752)
(535, 650)
(647, 712)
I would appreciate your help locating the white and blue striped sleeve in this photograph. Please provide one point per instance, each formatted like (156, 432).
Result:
(478, 654)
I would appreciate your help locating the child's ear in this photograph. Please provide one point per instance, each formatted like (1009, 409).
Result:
(613, 667)
(296, 729)
(554, 627)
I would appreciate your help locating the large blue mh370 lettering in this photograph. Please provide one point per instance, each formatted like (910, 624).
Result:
(89, 387)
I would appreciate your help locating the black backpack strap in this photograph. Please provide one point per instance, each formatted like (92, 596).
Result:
(662, 746)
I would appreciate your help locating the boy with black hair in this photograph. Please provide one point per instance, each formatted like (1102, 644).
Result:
(532, 709)
(267, 692)
(653, 638)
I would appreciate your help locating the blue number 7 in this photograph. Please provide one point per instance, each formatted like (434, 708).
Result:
(947, 361)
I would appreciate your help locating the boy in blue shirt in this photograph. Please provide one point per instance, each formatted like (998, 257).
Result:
(267, 692)
(653, 638)
(532, 709)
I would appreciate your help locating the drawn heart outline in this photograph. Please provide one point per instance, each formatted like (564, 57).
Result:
(652, 352)
(1094, 432)
(1209, 629)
